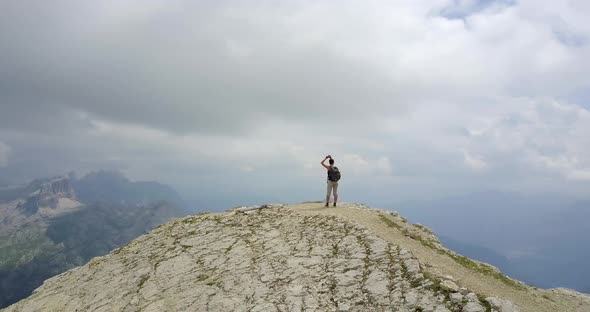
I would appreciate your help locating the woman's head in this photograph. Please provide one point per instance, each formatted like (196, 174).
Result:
(331, 161)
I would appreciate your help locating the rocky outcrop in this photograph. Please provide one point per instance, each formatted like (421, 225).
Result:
(269, 259)
(58, 187)
(573, 294)
(48, 195)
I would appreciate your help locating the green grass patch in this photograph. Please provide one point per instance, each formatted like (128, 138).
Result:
(548, 298)
(435, 282)
(196, 218)
(229, 248)
(214, 283)
(26, 245)
(484, 269)
(423, 228)
(406, 232)
(335, 250)
(462, 260)
(202, 277)
(390, 222)
(486, 304)
(142, 280)
(95, 262)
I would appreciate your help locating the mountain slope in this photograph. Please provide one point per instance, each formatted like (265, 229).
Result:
(539, 233)
(291, 258)
(47, 229)
(114, 187)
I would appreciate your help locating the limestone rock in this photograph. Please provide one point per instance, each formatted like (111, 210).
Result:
(266, 260)
(471, 297)
(501, 305)
(50, 194)
(473, 307)
(449, 285)
(456, 297)
(270, 259)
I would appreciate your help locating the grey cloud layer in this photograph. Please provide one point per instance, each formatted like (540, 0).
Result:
(184, 71)
(181, 90)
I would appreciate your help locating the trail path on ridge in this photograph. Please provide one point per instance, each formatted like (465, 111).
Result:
(529, 299)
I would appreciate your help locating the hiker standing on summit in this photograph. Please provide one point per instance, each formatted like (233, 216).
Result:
(333, 178)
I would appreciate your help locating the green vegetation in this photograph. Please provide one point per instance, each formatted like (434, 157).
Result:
(27, 257)
(202, 277)
(366, 260)
(390, 269)
(406, 232)
(95, 262)
(482, 268)
(436, 287)
(423, 228)
(548, 298)
(142, 280)
(486, 304)
(215, 283)
(196, 218)
(23, 246)
(36, 252)
(335, 249)
(229, 248)
(389, 222)
(115, 212)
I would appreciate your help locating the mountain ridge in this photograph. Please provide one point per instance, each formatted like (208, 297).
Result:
(350, 258)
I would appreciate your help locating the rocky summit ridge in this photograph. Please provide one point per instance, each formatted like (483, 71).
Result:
(291, 258)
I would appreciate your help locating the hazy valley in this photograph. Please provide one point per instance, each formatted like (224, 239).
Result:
(54, 224)
(541, 240)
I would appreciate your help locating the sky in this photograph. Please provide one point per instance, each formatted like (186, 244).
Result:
(240, 101)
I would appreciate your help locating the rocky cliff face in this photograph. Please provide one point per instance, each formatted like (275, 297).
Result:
(273, 259)
(50, 194)
(37, 203)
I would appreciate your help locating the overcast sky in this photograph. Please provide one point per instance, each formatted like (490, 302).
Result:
(243, 99)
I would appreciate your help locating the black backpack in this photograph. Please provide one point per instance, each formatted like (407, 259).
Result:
(333, 174)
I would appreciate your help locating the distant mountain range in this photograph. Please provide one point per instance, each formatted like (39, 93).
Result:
(539, 239)
(54, 224)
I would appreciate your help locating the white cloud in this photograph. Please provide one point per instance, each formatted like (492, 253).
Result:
(474, 162)
(357, 165)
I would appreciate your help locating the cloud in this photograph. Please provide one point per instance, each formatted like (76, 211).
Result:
(212, 69)
(419, 92)
(4, 153)
(358, 165)
(191, 69)
(247, 169)
(474, 162)
(463, 8)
